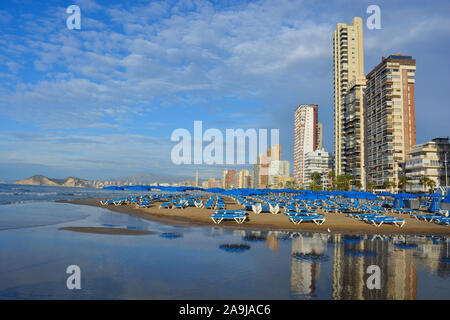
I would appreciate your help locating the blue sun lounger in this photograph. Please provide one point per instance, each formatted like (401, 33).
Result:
(297, 219)
(378, 221)
(145, 204)
(166, 205)
(237, 215)
(443, 220)
(179, 205)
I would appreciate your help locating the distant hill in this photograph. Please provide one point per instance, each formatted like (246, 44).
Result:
(40, 180)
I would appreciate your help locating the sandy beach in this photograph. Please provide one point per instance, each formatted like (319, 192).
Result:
(336, 222)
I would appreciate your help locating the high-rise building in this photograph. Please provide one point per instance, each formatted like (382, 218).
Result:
(305, 137)
(224, 178)
(212, 183)
(278, 173)
(348, 55)
(241, 181)
(390, 128)
(255, 175)
(261, 168)
(318, 161)
(196, 179)
(319, 135)
(230, 179)
(352, 143)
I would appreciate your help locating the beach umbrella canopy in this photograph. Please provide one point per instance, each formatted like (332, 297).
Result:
(398, 203)
(385, 194)
(113, 188)
(434, 195)
(435, 205)
(405, 196)
(447, 199)
(360, 195)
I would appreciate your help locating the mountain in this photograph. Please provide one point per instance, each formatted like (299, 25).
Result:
(40, 180)
(37, 180)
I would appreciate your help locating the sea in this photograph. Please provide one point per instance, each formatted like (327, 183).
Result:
(41, 260)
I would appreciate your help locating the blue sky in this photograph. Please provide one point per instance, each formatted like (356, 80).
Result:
(103, 101)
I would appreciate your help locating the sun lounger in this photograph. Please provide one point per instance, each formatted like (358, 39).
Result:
(378, 221)
(297, 219)
(179, 205)
(237, 215)
(166, 205)
(257, 208)
(274, 209)
(143, 204)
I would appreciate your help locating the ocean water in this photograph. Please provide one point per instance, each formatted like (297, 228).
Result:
(12, 193)
(174, 262)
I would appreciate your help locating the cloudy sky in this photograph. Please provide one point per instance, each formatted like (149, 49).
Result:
(103, 101)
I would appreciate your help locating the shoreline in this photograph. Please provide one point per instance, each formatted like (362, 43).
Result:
(336, 222)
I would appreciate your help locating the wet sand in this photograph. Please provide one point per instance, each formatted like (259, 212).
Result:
(336, 222)
(101, 230)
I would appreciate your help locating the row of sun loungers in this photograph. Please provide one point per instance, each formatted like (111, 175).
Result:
(374, 212)
(378, 219)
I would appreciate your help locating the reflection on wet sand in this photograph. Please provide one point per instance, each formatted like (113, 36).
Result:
(234, 247)
(308, 251)
(112, 231)
(397, 258)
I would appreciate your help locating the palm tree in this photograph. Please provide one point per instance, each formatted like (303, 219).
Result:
(358, 185)
(424, 182)
(431, 184)
(291, 185)
(370, 186)
(410, 184)
(403, 181)
(316, 179)
(332, 177)
(388, 185)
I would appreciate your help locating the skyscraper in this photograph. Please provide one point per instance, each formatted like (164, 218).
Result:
(348, 55)
(305, 137)
(230, 179)
(224, 178)
(241, 183)
(352, 147)
(319, 135)
(389, 117)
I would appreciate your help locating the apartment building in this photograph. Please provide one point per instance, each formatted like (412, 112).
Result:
(428, 160)
(390, 129)
(348, 56)
(305, 137)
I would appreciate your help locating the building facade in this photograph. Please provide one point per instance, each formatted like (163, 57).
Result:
(305, 137)
(230, 179)
(318, 161)
(241, 181)
(348, 56)
(428, 160)
(278, 173)
(390, 129)
(319, 135)
(352, 144)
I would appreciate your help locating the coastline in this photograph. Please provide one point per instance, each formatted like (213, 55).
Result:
(336, 222)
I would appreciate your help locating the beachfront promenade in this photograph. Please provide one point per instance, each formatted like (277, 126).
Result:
(307, 211)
